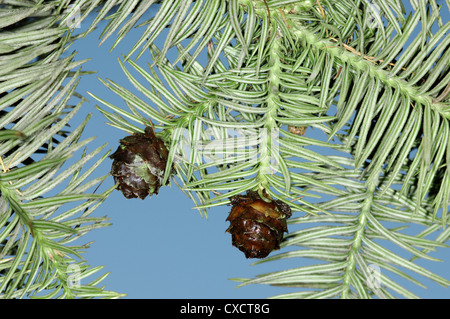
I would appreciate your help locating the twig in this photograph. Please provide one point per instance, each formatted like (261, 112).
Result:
(338, 72)
(284, 18)
(321, 9)
(296, 199)
(370, 59)
(9, 164)
(268, 10)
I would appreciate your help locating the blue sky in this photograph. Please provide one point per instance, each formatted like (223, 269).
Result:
(160, 247)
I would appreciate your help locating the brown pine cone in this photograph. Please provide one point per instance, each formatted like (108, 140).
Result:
(256, 226)
(139, 164)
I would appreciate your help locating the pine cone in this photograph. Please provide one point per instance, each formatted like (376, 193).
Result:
(139, 164)
(256, 226)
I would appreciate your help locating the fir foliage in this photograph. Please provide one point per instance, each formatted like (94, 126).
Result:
(45, 205)
(356, 91)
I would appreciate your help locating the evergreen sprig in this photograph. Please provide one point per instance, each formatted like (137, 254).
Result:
(369, 79)
(45, 205)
